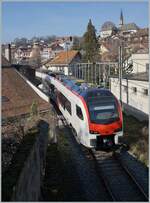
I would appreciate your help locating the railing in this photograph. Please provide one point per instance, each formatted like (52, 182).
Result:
(95, 73)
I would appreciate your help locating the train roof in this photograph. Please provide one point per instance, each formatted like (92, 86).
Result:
(85, 90)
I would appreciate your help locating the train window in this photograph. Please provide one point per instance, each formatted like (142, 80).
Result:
(68, 105)
(65, 103)
(61, 98)
(103, 112)
(79, 112)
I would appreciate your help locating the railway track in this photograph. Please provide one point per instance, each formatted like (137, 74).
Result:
(119, 182)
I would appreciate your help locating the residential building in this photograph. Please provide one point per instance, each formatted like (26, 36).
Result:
(63, 61)
(139, 61)
(46, 53)
(22, 53)
(109, 49)
(127, 29)
(35, 50)
(55, 49)
(108, 29)
(135, 94)
(140, 39)
(67, 44)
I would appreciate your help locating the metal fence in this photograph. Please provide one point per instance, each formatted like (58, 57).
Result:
(95, 73)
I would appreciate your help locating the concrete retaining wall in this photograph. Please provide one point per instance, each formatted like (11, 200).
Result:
(28, 182)
(38, 91)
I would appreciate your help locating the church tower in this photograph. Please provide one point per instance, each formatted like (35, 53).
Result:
(121, 19)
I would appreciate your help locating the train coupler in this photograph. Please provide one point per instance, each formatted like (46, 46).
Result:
(105, 142)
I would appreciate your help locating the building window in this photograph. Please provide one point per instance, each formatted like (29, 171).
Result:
(145, 92)
(147, 67)
(136, 39)
(79, 112)
(134, 90)
(125, 88)
(4, 99)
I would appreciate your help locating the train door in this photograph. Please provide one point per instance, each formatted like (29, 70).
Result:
(81, 124)
(53, 93)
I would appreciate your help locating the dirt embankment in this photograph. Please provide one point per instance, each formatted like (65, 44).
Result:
(136, 136)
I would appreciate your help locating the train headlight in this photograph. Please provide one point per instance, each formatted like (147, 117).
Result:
(94, 132)
(118, 130)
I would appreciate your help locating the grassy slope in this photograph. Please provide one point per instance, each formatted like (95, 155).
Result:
(136, 135)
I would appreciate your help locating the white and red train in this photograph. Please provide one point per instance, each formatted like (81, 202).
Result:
(94, 114)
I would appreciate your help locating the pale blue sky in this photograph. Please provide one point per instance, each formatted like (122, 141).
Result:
(28, 19)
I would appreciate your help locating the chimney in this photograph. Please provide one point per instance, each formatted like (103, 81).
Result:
(8, 52)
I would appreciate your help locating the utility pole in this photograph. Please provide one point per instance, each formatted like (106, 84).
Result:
(120, 72)
(67, 57)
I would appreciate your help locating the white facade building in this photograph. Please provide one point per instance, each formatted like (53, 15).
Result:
(107, 29)
(63, 61)
(134, 95)
(46, 53)
(106, 33)
(66, 45)
(140, 62)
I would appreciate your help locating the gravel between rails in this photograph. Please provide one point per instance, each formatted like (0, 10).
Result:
(90, 183)
(136, 168)
(117, 180)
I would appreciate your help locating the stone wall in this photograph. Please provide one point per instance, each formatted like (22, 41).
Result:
(27, 183)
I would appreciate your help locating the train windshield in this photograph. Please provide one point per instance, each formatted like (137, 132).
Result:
(103, 112)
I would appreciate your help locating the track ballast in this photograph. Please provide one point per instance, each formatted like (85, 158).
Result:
(119, 182)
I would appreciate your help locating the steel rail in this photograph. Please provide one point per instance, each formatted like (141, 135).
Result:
(132, 177)
(106, 181)
(103, 177)
(98, 168)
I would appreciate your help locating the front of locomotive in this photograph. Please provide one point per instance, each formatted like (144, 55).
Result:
(105, 118)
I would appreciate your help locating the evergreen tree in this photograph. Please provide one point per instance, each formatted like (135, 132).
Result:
(76, 43)
(90, 43)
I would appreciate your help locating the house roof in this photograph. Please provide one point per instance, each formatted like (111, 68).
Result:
(129, 26)
(141, 32)
(108, 25)
(64, 57)
(142, 51)
(17, 95)
(56, 46)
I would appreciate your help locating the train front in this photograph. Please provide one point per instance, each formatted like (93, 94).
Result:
(105, 117)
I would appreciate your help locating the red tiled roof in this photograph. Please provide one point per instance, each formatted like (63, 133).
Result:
(64, 57)
(17, 95)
